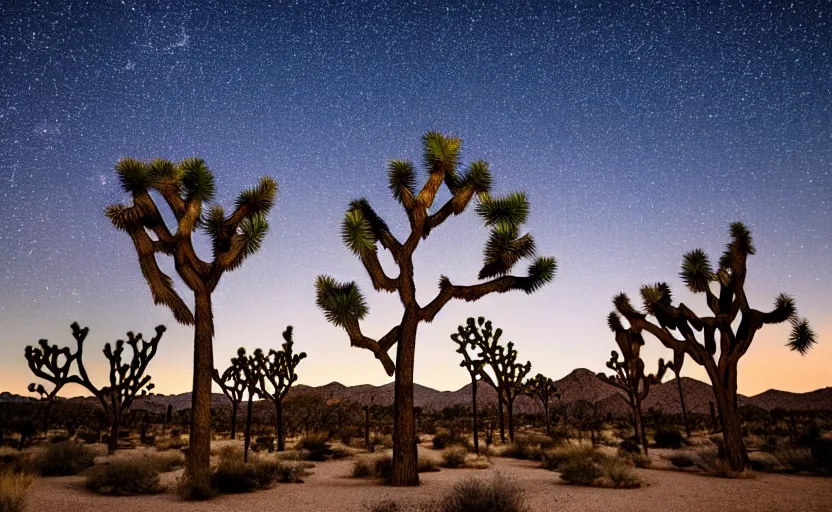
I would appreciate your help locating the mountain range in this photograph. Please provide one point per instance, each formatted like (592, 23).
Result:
(580, 384)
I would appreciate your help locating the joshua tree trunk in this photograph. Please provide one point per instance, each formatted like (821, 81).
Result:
(476, 426)
(281, 441)
(510, 404)
(247, 441)
(726, 402)
(502, 417)
(548, 421)
(367, 428)
(640, 423)
(234, 408)
(113, 441)
(404, 425)
(682, 401)
(199, 450)
(46, 411)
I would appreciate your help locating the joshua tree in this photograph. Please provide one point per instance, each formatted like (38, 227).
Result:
(249, 368)
(363, 231)
(185, 187)
(278, 369)
(233, 385)
(726, 335)
(126, 379)
(543, 388)
(629, 372)
(475, 370)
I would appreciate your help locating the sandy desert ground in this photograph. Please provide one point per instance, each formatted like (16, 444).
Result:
(329, 488)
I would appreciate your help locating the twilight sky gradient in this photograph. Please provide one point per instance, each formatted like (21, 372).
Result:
(638, 132)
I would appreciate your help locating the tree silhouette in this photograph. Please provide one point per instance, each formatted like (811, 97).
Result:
(629, 372)
(543, 388)
(53, 364)
(475, 371)
(278, 370)
(676, 366)
(233, 385)
(362, 231)
(726, 335)
(186, 187)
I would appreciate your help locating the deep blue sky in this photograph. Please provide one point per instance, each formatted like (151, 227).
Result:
(638, 131)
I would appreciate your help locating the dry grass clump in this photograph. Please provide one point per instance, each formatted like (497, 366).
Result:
(528, 447)
(583, 465)
(681, 460)
(472, 495)
(63, 459)
(454, 457)
(170, 443)
(125, 477)
(14, 490)
(555, 459)
(382, 467)
(709, 461)
(444, 440)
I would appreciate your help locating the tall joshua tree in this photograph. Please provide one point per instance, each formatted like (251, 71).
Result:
(726, 334)
(186, 187)
(233, 385)
(126, 379)
(363, 230)
(278, 370)
(629, 372)
(543, 388)
(475, 370)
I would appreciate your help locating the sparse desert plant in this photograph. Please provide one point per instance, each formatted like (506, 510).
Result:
(186, 188)
(165, 462)
(630, 445)
(384, 506)
(710, 462)
(263, 443)
(454, 457)
(793, 459)
(681, 460)
(668, 438)
(619, 475)
(599, 471)
(427, 465)
(522, 449)
(363, 231)
(14, 490)
(125, 477)
(169, 443)
(63, 459)
(473, 495)
(543, 388)
(726, 335)
(234, 475)
(382, 467)
(291, 473)
(637, 459)
(363, 468)
(315, 447)
(556, 458)
(444, 440)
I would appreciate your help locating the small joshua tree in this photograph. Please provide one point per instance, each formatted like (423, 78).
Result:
(508, 373)
(248, 367)
(363, 230)
(726, 335)
(475, 370)
(126, 379)
(543, 388)
(629, 372)
(278, 370)
(186, 187)
(233, 385)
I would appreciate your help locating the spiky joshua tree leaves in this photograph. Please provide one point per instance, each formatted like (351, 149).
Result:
(187, 188)
(277, 369)
(363, 231)
(725, 335)
(543, 388)
(127, 379)
(629, 372)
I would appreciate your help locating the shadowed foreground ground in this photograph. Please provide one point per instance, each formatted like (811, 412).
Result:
(329, 488)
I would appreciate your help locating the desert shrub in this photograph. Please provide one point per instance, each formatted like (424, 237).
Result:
(793, 460)
(454, 457)
(14, 490)
(164, 462)
(291, 473)
(263, 443)
(638, 460)
(363, 468)
(383, 467)
(630, 445)
(188, 490)
(170, 443)
(381, 440)
(556, 458)
(235, 476)
(315, 447)
(822, 454)
(59, 438)
(444, 440)
(668, 438)
(339, 453)
(426, 465)
(559, 434)
(681, 460)
(597, 470)
(18, 462)
(63, 459)
(522, 449)
(500, 495)
(709, 461)
(124, 477)
(384, 506)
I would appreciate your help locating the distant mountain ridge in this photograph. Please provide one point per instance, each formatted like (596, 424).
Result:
(580, 384)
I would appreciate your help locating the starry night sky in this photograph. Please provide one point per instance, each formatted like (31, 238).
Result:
(639, 132)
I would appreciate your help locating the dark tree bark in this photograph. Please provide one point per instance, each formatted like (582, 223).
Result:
(682, 402)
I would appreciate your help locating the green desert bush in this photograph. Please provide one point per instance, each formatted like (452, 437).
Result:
(454, 457)
(668, 438)
(62, 459)
(586, 466)
(125, 477)
(14, 490)
(473, 495)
